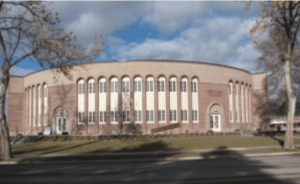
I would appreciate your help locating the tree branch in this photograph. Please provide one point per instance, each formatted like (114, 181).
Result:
(21, 58)
(3, 47)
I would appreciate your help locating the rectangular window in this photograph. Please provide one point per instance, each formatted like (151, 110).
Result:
(194, 115)
(172, 86)
(183, 86)
(147, 86)
(159, 115)
(151, 86)
(135, 116)
(140, 86)
(45, 92)
(116, 116)
(149, 115)
(158, 86)
(112, 87)
(135, 86)
(112, 116)
(81, 117)
(100, 116)
(127, 87)
(116, 86)
(91, 117)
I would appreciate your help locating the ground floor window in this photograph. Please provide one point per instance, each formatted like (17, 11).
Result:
(113, 116)
(102, 116)
(173, 115)
(184, 115)
(92, 117)
(194, 115)
(138, 116)
(126, 116)
(149, 115)
(80, 117)
(161, 115)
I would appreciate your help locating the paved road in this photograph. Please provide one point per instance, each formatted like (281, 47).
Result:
(229, 169)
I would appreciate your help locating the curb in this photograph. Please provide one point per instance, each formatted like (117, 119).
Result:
(170, 159)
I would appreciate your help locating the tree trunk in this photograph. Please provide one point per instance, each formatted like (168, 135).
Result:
(6, 148)
(289, 140)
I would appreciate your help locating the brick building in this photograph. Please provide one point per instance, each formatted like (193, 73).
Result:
(99, 97)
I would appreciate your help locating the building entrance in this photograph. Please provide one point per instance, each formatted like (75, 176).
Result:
(61, 122)
(215, 122)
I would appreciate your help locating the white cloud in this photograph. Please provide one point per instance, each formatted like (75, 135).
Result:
(219, 41)
(20, 71)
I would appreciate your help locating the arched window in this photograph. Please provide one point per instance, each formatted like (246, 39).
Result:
(45, 104)
(114, 100)
(184, 100)
(161, 82)
(91, 101)
(81, 102)
(138, 100)
(34, 105)
(126, 100)
(195, 100)
(237, 102)
(102, 101)
(150, 99)
(230, 102)
(242, 103)
(173, 100)
(39, 105)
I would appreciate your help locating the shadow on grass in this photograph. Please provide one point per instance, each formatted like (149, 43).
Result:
(153, 146)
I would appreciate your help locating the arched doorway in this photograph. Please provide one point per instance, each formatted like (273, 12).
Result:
(60, 120)
(215, 116)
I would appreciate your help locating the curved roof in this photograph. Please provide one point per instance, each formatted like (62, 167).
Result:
(147, 60)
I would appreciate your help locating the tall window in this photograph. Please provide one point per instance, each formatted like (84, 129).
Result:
(91, 101)
(173, 100)
(126, 116)
(114, 100)
(39, 105)
(45, 105)
(34, 105)
(81, 102)
(195, 99)
(102, 101)
(150, 99)
(138, 100)
(237, 102)
(242, 103)
(184, 100)
(230, 101)
(161, 99)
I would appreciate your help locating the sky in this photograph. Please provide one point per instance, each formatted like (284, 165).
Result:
(206, 31)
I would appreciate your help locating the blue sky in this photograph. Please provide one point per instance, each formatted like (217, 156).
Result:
(210, 31)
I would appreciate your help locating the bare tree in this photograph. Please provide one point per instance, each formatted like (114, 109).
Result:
(281, 20)
(28, 30)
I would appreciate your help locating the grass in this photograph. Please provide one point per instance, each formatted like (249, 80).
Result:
(139, 145)
(136, 145)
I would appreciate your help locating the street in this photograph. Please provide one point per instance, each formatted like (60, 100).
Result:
(229, 169)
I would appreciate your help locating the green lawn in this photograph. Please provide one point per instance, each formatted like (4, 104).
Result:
(129, 145)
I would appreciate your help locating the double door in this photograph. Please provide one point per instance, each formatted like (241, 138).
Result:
(215, 122)
(61, 124)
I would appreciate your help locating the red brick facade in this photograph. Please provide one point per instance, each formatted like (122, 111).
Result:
(212, 89)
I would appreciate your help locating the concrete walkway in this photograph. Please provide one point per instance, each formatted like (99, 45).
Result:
(150, 152)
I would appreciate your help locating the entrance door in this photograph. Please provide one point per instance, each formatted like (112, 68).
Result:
(61, 124)
(215, 122)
